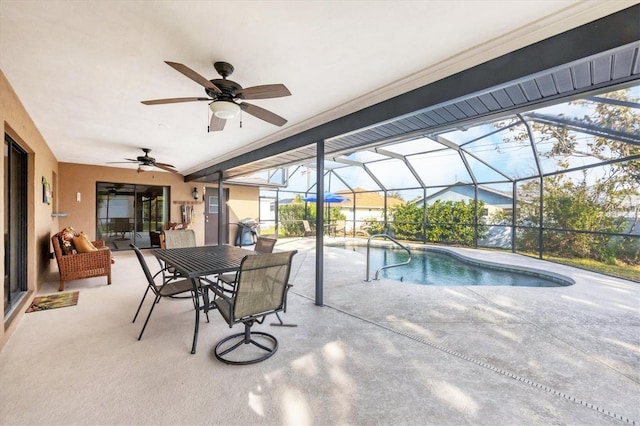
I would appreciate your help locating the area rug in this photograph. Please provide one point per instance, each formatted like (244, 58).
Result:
(53, 301)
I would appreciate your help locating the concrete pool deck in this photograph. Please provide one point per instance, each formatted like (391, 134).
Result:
(379, 352)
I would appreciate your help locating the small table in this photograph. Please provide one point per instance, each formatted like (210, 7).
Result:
(196, 262)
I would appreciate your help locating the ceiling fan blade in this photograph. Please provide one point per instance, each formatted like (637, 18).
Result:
(122, 162)
(263, 114)
(173, 100)
(193, 76)
(216, 123)
(164, 167)
(266, 91)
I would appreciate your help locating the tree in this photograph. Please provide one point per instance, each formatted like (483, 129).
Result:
(407, 221)
(291, 216)
(600, 200)
(453, 222)
(447, 222)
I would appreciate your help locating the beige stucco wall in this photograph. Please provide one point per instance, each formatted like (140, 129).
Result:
(243, 203)
(82, 178)
(42, 163)
(67, 180)
(74, 178)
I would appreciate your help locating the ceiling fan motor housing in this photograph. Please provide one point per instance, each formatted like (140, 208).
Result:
(145, 159)
(227, 87)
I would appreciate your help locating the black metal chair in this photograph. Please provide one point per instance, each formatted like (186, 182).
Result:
(227, 282)
(166, 289)
(261, 290)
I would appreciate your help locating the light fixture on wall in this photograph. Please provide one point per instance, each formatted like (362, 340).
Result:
(195, 194)
(224, 109)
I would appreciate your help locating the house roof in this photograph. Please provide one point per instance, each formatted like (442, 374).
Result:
(367, 199)
(481, 189)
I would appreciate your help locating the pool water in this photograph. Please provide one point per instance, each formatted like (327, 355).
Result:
(437, 268)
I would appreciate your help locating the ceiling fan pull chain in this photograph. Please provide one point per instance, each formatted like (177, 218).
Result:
(241, 119)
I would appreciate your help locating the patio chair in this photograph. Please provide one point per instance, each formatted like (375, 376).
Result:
(178, 238)
(227, 282)
(166, 289)
(175, 238)
(308, 229)
(122, 226)
(340, 226)
(261, 290)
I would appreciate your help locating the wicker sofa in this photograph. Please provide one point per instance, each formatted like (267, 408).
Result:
(75, 266)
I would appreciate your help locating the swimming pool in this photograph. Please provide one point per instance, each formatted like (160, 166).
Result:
(436, 267)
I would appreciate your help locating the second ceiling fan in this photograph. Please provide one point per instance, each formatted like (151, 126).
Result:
(226, 96)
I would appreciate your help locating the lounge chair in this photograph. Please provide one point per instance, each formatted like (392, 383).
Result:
(308, 229)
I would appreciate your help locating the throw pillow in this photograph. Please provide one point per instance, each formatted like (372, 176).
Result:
(66, 240)
(83, 244)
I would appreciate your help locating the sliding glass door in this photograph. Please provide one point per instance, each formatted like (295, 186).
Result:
(15, 223)
(131, 214)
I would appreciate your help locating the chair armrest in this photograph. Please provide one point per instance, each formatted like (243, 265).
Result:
(228, 278)
(224, 303)
(218, 292)
(206, 280)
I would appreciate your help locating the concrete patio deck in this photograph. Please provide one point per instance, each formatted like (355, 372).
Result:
(379, 352)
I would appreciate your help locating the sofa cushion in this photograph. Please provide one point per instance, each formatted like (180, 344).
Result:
(83, 244)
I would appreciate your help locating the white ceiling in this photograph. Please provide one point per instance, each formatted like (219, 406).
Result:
(81, 68)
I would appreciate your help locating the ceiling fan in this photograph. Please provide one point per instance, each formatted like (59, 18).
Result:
(146, 163)
(225, 96)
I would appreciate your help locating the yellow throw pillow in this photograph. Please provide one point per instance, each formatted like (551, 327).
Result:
(82, 244)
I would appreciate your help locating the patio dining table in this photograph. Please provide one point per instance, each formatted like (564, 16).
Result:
(201, 261)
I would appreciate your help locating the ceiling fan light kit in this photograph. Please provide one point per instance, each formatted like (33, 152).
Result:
(227, 97)
(145, 167)
(225, 110)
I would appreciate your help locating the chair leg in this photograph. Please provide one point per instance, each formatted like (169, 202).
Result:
(282, 324)
(61, 286)
(245, 339)
(140, 305)
(153, 305)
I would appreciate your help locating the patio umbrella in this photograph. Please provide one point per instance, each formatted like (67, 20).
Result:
(329, 197)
